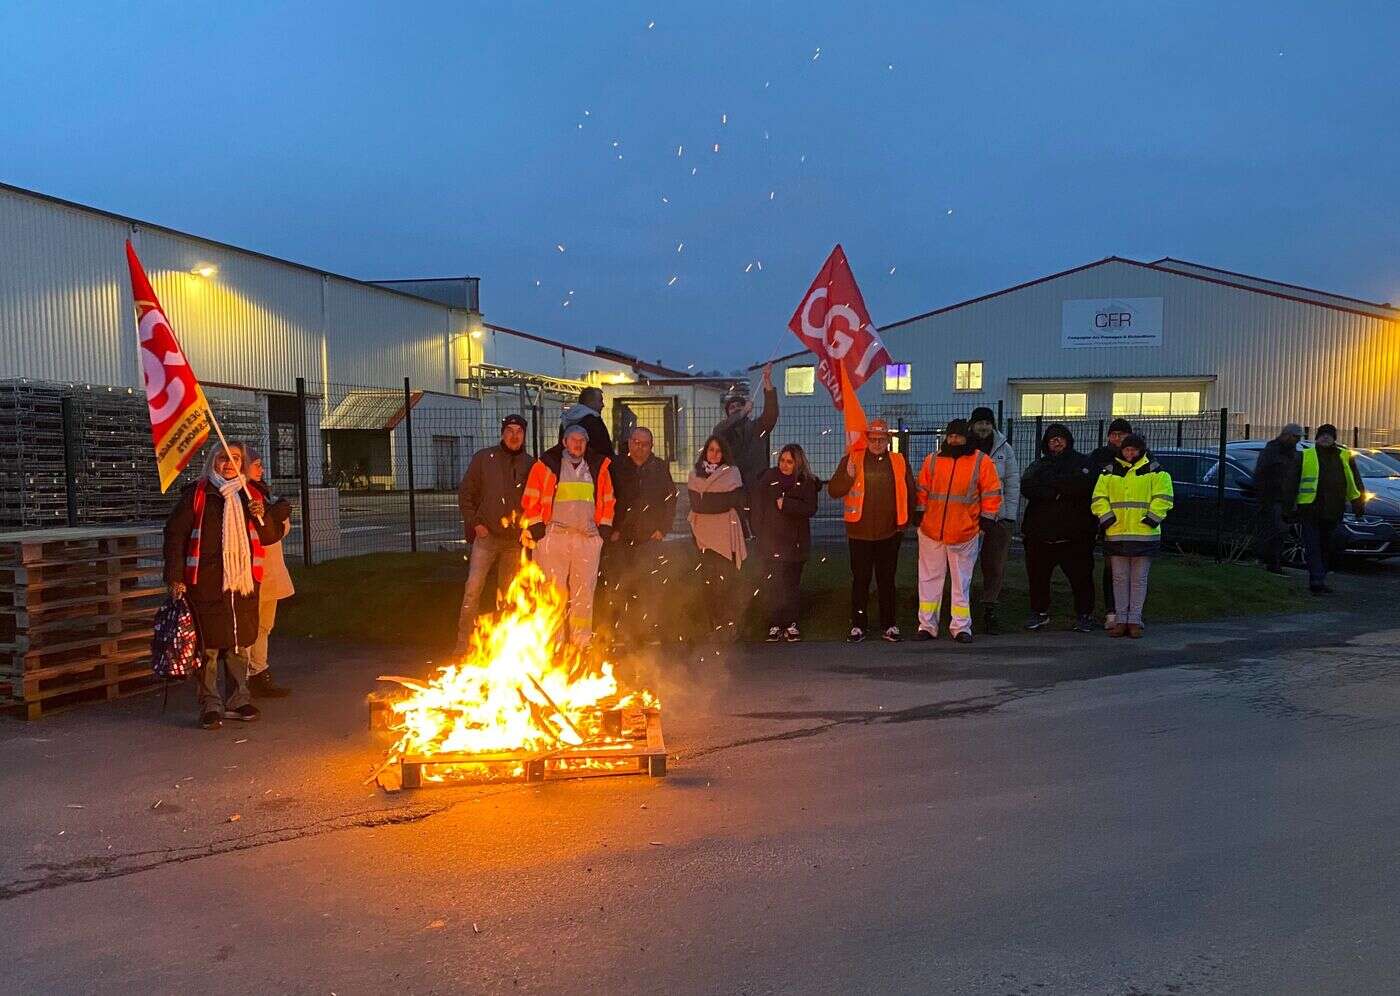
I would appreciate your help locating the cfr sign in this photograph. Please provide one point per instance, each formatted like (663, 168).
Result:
(1113, 320)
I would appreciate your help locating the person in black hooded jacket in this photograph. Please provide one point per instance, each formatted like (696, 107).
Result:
(1058, 529)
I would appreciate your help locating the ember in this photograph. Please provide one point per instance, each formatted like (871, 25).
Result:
(522, 703)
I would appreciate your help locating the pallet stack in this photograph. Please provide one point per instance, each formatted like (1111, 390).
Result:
(110, 439)
(76, 614)
(33, 484)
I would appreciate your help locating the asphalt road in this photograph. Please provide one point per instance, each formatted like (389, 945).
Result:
(1212, 809)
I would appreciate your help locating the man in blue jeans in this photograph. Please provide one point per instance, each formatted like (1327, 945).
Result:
(489, 499)
(1326, 486)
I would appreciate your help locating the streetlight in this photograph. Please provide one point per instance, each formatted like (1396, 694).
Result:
(205, 270)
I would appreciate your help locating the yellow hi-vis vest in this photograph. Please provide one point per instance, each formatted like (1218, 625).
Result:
(1307, 483)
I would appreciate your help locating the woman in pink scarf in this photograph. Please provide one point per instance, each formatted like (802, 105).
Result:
(716, 495)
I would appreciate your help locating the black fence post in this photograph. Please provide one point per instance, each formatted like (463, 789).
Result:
(1011, 430)
(408, 453)
(71, 443)
(1001, 420)
(1100, 432)
(1039, 433)
(1307, 432)
(1220, 482)
(304, 473)
(1356, 437)
(536, 432)
(1180, 432)
(1246, 431)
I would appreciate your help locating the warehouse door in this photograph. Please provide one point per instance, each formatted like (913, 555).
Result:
(445, 468)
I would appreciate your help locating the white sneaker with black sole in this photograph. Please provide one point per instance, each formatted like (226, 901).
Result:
(775, 634)
(856, 636)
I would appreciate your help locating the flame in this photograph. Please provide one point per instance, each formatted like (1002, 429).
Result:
(519, 689)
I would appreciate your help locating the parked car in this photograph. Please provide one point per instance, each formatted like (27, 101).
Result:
(1375, 534)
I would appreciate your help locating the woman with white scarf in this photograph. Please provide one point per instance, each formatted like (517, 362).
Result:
(214, 558)
(716, 495)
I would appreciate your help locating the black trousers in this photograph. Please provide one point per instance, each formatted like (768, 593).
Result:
(1075, 558)
(720, 579)
(880, 558)
(1272, 529)
(782, 580)
(634, 576)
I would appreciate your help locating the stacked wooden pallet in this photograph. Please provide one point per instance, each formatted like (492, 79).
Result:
(76, 613)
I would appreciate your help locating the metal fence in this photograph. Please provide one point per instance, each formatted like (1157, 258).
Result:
(371, 469)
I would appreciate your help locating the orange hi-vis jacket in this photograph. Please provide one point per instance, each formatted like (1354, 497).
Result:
(854, 502)
(954, 492)
(541, 487)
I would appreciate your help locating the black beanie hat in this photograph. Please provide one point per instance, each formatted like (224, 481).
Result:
(1120, 425)
(1136, 442)
(957, 427)
(1326, 429)
(1057, 429)
(982, 414)
(513, 419)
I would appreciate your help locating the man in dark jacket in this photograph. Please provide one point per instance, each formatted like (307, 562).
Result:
(1276, 483)
(1058, 529)
(646, 510)
(1327, 485)
(1101, 460)
(489, 498)
(588, 412)
(748, 437)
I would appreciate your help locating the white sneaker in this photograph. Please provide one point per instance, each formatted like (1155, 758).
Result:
(792, 634)
(775, 633)
(857, 635)
(892, 634)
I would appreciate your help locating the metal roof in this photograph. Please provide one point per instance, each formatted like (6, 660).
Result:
(372, 410)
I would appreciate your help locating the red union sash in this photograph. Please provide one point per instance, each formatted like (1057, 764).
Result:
(180, 416)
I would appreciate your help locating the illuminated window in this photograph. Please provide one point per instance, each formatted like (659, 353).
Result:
(800, 380)
(897, 378)
(967, 376)
(1157, 403)
(1056, 405)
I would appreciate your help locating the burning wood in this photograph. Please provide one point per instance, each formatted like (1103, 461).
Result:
(521, 704)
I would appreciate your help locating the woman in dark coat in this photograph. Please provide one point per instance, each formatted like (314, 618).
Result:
(783, 503)
(214, 558)
(1058, 529)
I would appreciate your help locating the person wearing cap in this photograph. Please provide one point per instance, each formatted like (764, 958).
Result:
(876, 490)
(1327, 484)
(1276, 483)
(1058, 529)
(1131, 500)
(568, 507)
(1102, 461)
(996, 538)
(748, 438)
(960, 495)
(489, 497)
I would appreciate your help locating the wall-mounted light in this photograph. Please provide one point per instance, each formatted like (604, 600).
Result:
(476, 333)
(205, 270)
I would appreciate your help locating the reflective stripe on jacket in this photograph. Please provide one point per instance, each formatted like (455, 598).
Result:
(854, 502)
(1307, 483)
(541, 487)
(1132, 501)
(954, 492)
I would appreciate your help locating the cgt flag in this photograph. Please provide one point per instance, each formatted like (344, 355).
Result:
(180, 416)
(832, 322)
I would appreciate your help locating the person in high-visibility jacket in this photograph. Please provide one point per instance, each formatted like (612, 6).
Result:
(1131, 499)
(1327, 484)
(568, 506)
(960, 495)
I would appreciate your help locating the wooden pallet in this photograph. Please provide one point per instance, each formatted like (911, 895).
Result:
(644, 755)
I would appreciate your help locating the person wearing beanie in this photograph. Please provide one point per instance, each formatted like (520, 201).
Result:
(588, 413)
(1131, 500)
(996, 539)
(568, 507)
(877, 493)
(1276, 482)
(489, 497)
(1102, 461)
(960, 495)
(1327, 484)
(1058, 529)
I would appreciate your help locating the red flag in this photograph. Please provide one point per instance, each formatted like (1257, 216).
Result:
(832, 322)
(180, 416)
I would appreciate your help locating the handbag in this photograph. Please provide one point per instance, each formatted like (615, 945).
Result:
(175, 642)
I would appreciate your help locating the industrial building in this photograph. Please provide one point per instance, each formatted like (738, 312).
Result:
(1144, 340)
(252, 325)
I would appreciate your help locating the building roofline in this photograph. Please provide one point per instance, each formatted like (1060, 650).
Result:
(634, 363)
(1129, 262)
(423, 280)
(1276, 283)
(153, 226)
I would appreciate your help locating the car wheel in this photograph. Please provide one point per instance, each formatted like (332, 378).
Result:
(1294, 554)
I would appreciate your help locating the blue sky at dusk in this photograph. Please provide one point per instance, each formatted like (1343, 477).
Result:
(966, 146)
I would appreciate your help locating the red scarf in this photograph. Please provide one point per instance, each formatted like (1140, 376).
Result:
(192, 550)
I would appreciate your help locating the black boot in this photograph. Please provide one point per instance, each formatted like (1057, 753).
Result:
(989, 619)
(262, 686)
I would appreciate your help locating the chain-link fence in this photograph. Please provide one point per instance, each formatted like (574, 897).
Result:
(372, 469)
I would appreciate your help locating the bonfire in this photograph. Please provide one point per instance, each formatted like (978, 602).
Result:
(523, 702)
